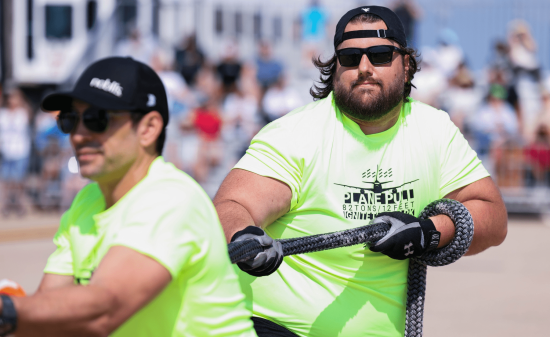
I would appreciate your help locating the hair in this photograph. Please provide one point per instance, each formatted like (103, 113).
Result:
(137, 116)
(328, 68)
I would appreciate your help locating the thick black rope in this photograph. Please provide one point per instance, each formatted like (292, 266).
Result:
(416, 290)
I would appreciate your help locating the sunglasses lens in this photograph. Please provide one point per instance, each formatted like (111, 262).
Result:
(66, 122)
(380, 54)
(350, 58)
(95, 120)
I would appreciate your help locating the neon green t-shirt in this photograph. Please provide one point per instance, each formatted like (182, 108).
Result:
(168, 217)
(341, 178)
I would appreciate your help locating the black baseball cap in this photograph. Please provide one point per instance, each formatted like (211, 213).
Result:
(115, 83)
(395, 30)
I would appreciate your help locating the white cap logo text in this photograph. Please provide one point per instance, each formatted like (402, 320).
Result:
(106, 85)
(151, 100)
(366, 9)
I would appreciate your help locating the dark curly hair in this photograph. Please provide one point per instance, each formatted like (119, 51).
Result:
(328, 68)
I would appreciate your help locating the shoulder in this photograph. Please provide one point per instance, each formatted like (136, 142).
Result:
(307, 118)
(88, 194)
(425, 111)
(426, 116)
(167, 185)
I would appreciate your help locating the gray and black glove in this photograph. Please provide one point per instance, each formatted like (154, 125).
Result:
(266, 262)
(408, 236)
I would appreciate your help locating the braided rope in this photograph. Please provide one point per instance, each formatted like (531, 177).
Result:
(416, 279)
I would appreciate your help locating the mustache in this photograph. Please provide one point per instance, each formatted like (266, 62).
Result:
(91, 145)
(360, 80)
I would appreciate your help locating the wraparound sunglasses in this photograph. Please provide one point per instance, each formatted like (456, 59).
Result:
(93, 118)
(351, 57)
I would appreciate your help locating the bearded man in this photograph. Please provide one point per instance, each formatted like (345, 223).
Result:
(362, 151)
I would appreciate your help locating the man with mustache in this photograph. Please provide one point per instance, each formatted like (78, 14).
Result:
(141, 251)
(363, 151)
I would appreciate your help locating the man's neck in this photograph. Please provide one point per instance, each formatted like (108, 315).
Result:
(380, 125)
(114, 190)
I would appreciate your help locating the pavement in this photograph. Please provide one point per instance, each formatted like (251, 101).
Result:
(502, 292)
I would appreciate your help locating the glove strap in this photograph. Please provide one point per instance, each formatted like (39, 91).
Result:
(8, 318)
(433, 237)
(431, 234)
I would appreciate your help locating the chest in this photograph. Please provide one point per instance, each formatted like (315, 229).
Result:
(351, 181)
(90, 240)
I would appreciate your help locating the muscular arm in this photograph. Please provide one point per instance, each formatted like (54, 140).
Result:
(52, 281)
(482, 198)
(248, 199)
(124, 282)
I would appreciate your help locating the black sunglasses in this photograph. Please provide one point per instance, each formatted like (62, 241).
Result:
(93, 118)
(351, 57)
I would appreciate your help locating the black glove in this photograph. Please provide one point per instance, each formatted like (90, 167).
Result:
(266, 262)
(408, 236)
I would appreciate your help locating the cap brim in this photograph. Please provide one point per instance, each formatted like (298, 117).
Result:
(57, 101)
(63, 100)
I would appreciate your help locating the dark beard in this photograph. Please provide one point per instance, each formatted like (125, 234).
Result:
(377, 105)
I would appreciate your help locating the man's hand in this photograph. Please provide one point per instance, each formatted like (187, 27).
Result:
(408, 236)
(266, 262)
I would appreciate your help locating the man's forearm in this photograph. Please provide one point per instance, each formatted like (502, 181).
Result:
(490, 224)
(67, 311)
(233, 217)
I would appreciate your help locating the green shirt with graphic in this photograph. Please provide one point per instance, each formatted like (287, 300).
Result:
(168, 217)
(341, 178)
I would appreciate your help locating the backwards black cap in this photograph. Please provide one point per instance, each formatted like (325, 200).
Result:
(115, 83)
(395, 30)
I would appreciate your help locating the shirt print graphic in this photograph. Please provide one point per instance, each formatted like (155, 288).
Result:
(365, 202)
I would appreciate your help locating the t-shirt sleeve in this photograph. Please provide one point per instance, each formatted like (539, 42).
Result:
(460, 165)
(271, 154)
(61, 261)
(163, 225)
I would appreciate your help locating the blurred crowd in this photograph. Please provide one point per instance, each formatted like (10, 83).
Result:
(504, 111)
(218, 106)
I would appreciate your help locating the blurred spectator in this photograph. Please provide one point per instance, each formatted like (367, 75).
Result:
(53, 148)
(15, 149)
(449, 52)
(544, 116)
(51, 175)
(176, 88)
(241, 120)
(279, 100)
(500, 72)
(496, 131)
(268, 69)
(523, 50)
(208, 83)
(537, 156)
(249, 82)
(501, 60)
(189, 59)
(229, 68)
(408, 12)
(314, 21)
(179, 98)
(462, 98)
(527, 77)
(430, 82)
(137, 46)
(207, 122)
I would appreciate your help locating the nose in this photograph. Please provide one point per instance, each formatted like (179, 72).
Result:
(365, 67)
(80, 134)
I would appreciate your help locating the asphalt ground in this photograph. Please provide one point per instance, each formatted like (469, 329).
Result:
(502, 292)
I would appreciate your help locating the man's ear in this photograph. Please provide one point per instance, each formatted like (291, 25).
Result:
(149, 129)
